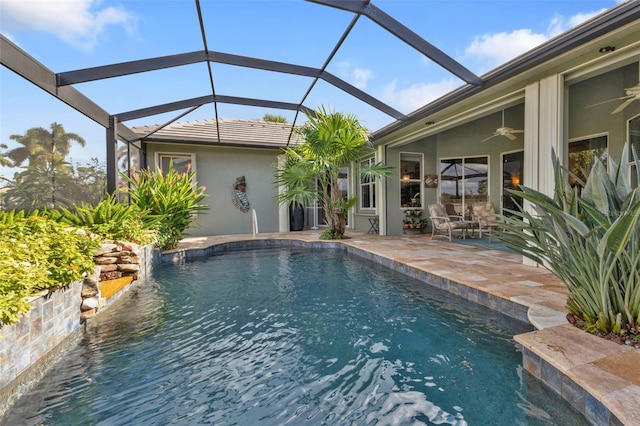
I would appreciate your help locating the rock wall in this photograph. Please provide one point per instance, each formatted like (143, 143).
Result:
(30, 346)
(113, 260)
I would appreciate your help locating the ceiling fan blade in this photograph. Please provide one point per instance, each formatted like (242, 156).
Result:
(517, 131)
(606, 102)
(623, 105)
(510, 136)
(490, 137)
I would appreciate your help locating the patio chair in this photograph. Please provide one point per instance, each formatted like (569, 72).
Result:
(441, 221)
(485, 215)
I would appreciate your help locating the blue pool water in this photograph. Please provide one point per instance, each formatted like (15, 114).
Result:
(274, 337)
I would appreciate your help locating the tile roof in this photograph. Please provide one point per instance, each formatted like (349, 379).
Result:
(249, 133)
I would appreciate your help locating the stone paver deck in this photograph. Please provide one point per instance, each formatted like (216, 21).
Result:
(598, 377)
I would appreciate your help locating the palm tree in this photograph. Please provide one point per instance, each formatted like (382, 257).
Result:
(39, 145)
(46, 181)
(4, 161)
(310, 171)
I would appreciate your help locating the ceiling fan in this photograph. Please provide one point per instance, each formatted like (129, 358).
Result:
(631, 94)
(507, 132)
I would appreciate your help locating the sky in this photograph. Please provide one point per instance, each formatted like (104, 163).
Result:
(66, 35)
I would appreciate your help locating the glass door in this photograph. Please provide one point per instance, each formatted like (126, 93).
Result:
(315, 216)
(512, 165)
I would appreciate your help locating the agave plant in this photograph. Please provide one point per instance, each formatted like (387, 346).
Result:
(590, 239)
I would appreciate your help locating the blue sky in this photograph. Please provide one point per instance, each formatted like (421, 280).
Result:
(65, 35)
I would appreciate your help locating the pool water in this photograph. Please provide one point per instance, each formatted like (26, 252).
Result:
(274, 337)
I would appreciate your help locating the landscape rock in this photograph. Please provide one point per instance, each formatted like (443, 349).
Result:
(90, 303)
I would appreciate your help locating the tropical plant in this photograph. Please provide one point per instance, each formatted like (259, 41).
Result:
(312, 170)
(590, 239)
(38, 254)
(111, 220)
(48, 180)
(40, 145)
(171, 199)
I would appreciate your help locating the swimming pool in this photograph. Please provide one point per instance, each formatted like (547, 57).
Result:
(292, 337)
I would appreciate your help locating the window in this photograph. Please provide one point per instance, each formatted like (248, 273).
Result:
(367, 187)
(410, 180)
(463, 182)
(581, 155)
(182, 163)
(634, 146)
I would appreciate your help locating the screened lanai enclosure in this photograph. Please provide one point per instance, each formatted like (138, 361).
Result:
(221, 88)
(52, 161)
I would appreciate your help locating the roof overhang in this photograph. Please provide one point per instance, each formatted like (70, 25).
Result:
(570, 53)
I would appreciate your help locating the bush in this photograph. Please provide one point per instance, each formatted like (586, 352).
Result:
(111, 220)
(590, 239)
(171, 199)
(38, 254)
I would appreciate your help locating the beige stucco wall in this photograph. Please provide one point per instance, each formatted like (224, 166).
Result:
(217, 169)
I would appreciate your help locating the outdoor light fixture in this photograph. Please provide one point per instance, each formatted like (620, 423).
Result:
(606, 49)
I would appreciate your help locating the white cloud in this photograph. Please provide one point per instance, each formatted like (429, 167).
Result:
(361, 77)
(417, 95)
(79, 23)
(491, 50)
(560, 24)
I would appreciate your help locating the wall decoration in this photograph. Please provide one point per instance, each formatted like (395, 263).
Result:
(239, 195)
(430, 181)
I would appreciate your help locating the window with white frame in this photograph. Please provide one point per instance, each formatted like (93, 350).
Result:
(410, 180)
(182, 163)
(367, 194)
(634, 146)
(463, 182)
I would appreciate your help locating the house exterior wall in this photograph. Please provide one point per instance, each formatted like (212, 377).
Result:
(555, 110)
(394, 212)
(587, 119)
(217, 169)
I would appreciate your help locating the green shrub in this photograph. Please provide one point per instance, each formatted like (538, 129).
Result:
(111, 220)
(590, 239)
(38, 254)
(170, 198)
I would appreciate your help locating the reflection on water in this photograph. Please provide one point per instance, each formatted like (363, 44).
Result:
(291, 337)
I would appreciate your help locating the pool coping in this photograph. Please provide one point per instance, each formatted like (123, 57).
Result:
(599, 378)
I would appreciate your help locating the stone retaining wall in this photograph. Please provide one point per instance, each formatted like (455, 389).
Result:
(30, 345)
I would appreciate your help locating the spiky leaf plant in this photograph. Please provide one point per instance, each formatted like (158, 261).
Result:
(171, 197)
(590, 239)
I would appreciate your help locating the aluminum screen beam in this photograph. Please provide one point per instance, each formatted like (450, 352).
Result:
(194, 102)
(406, 35)
(18, 61)
(126, 68)
(146, 65)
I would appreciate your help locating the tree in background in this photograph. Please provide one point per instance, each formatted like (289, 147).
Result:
(47, 179)
(273, 118)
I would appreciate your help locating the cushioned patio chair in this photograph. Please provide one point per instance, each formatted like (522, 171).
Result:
(485, 215)
(441, 221)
